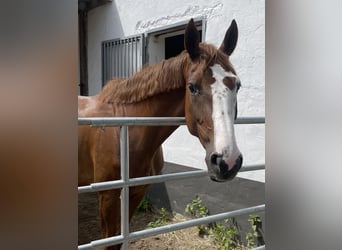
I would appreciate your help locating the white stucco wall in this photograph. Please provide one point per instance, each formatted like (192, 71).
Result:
(127, 17)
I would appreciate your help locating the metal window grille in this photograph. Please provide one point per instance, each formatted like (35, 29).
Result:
(122, 57)
(126, 182)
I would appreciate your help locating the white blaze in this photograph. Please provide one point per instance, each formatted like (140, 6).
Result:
(223, 116)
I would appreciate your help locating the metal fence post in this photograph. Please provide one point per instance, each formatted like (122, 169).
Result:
(124, 162)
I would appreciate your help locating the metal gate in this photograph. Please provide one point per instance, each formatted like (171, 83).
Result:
(126, 182)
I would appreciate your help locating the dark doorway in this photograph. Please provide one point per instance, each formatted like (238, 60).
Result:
(175, 45)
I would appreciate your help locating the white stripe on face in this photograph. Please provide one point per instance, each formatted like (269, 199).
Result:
(224, 101)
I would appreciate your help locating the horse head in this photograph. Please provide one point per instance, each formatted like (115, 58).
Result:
(211, 100)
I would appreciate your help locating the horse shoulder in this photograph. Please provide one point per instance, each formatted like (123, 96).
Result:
(95, 145)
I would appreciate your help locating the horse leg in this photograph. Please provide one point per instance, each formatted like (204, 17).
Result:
(136, 194)
(109, 206)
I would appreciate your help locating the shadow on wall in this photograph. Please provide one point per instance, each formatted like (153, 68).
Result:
(103, 24)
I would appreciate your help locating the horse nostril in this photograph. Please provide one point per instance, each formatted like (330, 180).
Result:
(213, 158)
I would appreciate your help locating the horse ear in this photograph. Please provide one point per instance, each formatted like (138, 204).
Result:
(230, 39)
(191, 40)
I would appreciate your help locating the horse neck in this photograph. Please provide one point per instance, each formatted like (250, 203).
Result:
(170, 103)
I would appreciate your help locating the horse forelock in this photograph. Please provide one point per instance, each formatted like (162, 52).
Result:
(212, 56)
(153, 79)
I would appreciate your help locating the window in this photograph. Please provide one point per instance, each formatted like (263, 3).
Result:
(123, 57)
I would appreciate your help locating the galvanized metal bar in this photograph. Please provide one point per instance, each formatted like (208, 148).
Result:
(125, 57)
(101, 186)
(131, 62)
(259, 248)
(135, 53)
(100, 243)
(109, 63)
(131, 121)
(124, 161)
(102, 63)
(250, 120)
(120, 61)
(129, 56)
(117, 62)
(195, 222)
(151, 121)
(105, 61)
(173, 227)
(252, 167)
(112, 63)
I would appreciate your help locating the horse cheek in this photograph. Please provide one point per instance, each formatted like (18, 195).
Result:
(189, 117)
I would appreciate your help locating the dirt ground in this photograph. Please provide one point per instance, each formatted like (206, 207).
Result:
(89, 229)
(183, 239)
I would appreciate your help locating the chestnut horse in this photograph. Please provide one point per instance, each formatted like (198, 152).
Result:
(200, 84)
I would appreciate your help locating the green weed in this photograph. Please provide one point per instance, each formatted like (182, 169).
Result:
(164, 218)
(227, 234)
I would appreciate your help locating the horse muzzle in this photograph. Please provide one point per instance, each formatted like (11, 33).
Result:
(218, 168)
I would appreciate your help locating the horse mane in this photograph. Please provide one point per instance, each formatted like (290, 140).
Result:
(153, 79)
(162, 77)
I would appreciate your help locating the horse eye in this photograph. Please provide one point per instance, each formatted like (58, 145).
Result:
(193, 89)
